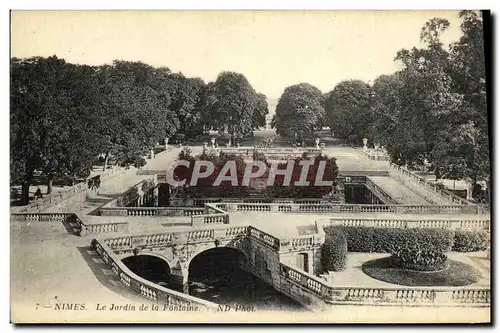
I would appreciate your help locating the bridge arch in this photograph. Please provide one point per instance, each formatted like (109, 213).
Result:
(153, 267)
(215, 261)
(211, 246)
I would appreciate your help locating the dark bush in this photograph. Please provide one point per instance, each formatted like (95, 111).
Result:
(421, 249)
(366, 239)
(334, 251)
(470, 241)
(416, 248)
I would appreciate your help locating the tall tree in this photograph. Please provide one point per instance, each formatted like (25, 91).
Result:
(186, 103)
(260, 112)
(467, 156)
(348, 111)
(135, 110)
(299, 110)
(229, 105)
(53, 105)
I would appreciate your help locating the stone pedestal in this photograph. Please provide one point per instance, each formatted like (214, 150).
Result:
(469, 191)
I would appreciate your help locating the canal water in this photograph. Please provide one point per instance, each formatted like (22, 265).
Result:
(218, 278)
(242, 288)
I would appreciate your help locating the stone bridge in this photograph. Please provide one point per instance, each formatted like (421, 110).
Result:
(262, 255)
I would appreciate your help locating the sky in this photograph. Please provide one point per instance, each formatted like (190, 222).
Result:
(273, 49)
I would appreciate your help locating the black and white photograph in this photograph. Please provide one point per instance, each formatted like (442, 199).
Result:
(250, 166)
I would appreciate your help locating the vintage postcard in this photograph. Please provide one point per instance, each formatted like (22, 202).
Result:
(250, 167)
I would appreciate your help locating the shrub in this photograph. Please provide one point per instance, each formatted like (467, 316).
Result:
(365, 239)
(420, 249)
(416, 248)
(470, 241)
(334, 251)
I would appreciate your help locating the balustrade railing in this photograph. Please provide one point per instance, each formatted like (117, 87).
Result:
(151, 211)
(398, 173)
(150, 290)
(347, 208)
(56, 197)
(376, 155)
(73, 220)
(479, 225)
(379, 192)
(264, 237)
(384, 295)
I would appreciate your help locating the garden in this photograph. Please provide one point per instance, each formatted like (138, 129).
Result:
(406, 257)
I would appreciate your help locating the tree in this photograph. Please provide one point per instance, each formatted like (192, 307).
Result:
(51, 109)
(347, 109)
(435, 108)
(416, 103)
(229, 105)
(186, 103)
(468, 72)
(299, 110)
(135, 110)
(260, 112)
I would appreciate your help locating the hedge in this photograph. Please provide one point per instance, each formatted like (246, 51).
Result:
(416, 248)
(370, 239)
(470, 241)
(334, 251)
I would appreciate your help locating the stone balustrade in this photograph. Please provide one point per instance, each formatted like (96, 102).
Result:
(423, 187)
(270, 151)
(200, 202)
(40, 216)
(104, 227)
(151, 211)
(147, 289)
(376, 155)
(264, 237)
(151, 240)
(345, 208)
(60, 196)
(72, 219)
(424, 296)
(476, 225)
(379, 192)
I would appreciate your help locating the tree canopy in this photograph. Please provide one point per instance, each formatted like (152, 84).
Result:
(435, 109)
(348, 112)
(299, 111)
(64, 115)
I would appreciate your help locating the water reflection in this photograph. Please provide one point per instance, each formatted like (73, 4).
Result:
(242, 288)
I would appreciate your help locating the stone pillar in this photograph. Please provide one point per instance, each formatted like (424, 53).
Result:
(212, 141)
(317, 143)
(365, 142)
(166, 142)
(469, 191)
(152, 154)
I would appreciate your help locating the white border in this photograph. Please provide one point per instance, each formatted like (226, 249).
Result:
(189, 4)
